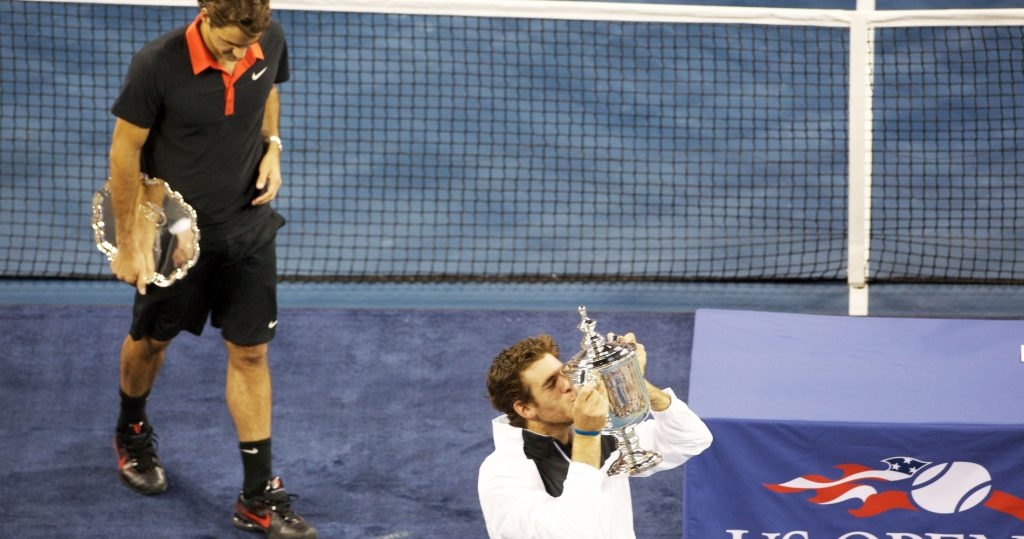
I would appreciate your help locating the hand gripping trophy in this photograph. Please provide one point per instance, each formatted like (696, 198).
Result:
(166, 228)
(616, 364)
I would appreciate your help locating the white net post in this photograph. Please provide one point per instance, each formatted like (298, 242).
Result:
(859, 209)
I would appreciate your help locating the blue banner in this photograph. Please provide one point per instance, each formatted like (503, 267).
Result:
(834, 480)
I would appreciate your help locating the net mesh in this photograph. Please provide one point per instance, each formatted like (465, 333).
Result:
(949, 118)
(456, 148)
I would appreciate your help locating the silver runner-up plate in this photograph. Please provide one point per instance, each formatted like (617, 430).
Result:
(166, 227)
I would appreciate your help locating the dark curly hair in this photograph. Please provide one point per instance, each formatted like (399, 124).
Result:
(251, 16)
(504, 385)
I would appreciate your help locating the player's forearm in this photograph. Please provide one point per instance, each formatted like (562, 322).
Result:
(272, 114)
(660, 401)
(125, 173)
(587, 450)
(677, 433)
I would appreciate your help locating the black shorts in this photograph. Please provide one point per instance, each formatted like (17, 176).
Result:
(234, 282)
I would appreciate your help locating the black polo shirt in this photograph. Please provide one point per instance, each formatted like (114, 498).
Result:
(205, 138)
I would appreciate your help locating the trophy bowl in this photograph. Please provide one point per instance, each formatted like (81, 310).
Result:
(617, 367)
(166, 228)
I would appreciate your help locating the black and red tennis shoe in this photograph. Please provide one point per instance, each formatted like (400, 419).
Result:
(137, 463)
(271, 512)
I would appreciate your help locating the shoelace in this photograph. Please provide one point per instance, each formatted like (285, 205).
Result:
(142, 449)
(281, 503)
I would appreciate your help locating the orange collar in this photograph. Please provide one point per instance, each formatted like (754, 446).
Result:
(203, 59)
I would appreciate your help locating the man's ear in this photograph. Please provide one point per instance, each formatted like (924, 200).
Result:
(524, 409)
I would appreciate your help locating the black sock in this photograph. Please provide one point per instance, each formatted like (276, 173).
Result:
(256, 464)
(133, 410)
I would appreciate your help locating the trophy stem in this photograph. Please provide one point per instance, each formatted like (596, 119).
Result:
(633, 459)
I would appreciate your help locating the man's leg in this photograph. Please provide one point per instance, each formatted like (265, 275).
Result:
(248, 391)
(140, 362)
(249, 401)
(263, 504)
(138, 465)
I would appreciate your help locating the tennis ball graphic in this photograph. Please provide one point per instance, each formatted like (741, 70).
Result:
(951, 487)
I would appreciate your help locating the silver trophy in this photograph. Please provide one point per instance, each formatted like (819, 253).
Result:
(166, 227)
(616, 364)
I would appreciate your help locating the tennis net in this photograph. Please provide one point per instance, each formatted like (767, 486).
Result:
(543, 141)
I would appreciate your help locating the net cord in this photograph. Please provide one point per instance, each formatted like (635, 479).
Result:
(613, 11)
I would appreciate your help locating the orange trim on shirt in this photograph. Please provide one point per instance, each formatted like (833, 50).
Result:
(202, 59)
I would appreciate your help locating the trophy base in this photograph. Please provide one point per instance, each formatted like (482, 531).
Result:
(634, 463)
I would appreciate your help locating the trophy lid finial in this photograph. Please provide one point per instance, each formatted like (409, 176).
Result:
(592, 343)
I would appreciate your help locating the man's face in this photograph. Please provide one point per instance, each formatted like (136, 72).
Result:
(228, 43)
(552, 392)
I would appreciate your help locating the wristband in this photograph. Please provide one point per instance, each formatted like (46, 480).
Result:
(587, 432)
(274, 139)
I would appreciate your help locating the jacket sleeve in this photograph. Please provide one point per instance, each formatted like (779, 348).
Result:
(516, 506)
(676, 433)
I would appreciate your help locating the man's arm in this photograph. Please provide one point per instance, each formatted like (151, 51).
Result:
(268, 182)
(590, 411)
(130, 263)
(272, 113)
(660, 400)
(676, 432)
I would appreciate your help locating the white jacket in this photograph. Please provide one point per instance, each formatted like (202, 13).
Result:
(593, 505)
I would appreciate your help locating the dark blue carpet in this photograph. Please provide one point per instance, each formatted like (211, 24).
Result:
(380, 421)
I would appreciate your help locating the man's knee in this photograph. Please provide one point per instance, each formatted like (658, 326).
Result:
(246, 356)
(146, 347)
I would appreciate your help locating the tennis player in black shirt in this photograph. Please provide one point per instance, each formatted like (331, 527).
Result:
(199, 109)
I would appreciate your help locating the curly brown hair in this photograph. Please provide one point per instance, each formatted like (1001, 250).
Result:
(251, 16)
(504, 385)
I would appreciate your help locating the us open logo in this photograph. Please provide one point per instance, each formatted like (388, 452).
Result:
(908, 484)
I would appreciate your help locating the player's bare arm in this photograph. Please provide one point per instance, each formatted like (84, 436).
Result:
(129, 263)
(268, 183)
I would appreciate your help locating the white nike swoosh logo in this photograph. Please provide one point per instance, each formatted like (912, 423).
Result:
(272, 324)
(252, 451)
(259, 74)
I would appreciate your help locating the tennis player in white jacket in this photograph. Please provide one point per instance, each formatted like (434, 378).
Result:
(547, 477)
